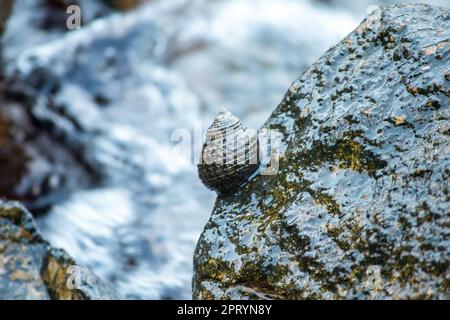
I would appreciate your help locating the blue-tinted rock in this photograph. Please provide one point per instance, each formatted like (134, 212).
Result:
(360, 206)
(31, 269)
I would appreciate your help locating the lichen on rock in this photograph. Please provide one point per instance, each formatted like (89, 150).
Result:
(33, 270)
(360, 206)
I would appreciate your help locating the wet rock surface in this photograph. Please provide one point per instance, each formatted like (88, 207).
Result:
(360, 206)
(31, 269)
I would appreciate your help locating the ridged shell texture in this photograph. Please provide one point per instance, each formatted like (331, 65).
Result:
(230, 154)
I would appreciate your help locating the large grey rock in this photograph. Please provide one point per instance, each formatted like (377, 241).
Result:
(360, 206)
(31, 269)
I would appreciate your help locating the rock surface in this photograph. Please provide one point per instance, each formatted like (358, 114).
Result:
(360, 206)
(31, 269)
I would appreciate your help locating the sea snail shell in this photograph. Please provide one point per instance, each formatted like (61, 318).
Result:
(230, 154)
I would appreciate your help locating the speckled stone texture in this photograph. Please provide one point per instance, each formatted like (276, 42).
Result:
(360, 206)
(30, 269)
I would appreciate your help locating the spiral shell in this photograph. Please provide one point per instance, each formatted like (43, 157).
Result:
(230, 154)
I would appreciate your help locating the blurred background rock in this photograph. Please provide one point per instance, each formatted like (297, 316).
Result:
(5, 11)
(86, 117)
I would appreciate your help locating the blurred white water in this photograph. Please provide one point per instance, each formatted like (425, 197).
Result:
(162, 67)
(253, 50)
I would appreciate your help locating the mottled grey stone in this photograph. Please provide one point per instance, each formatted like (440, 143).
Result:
(30, 269)
(360, 206)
